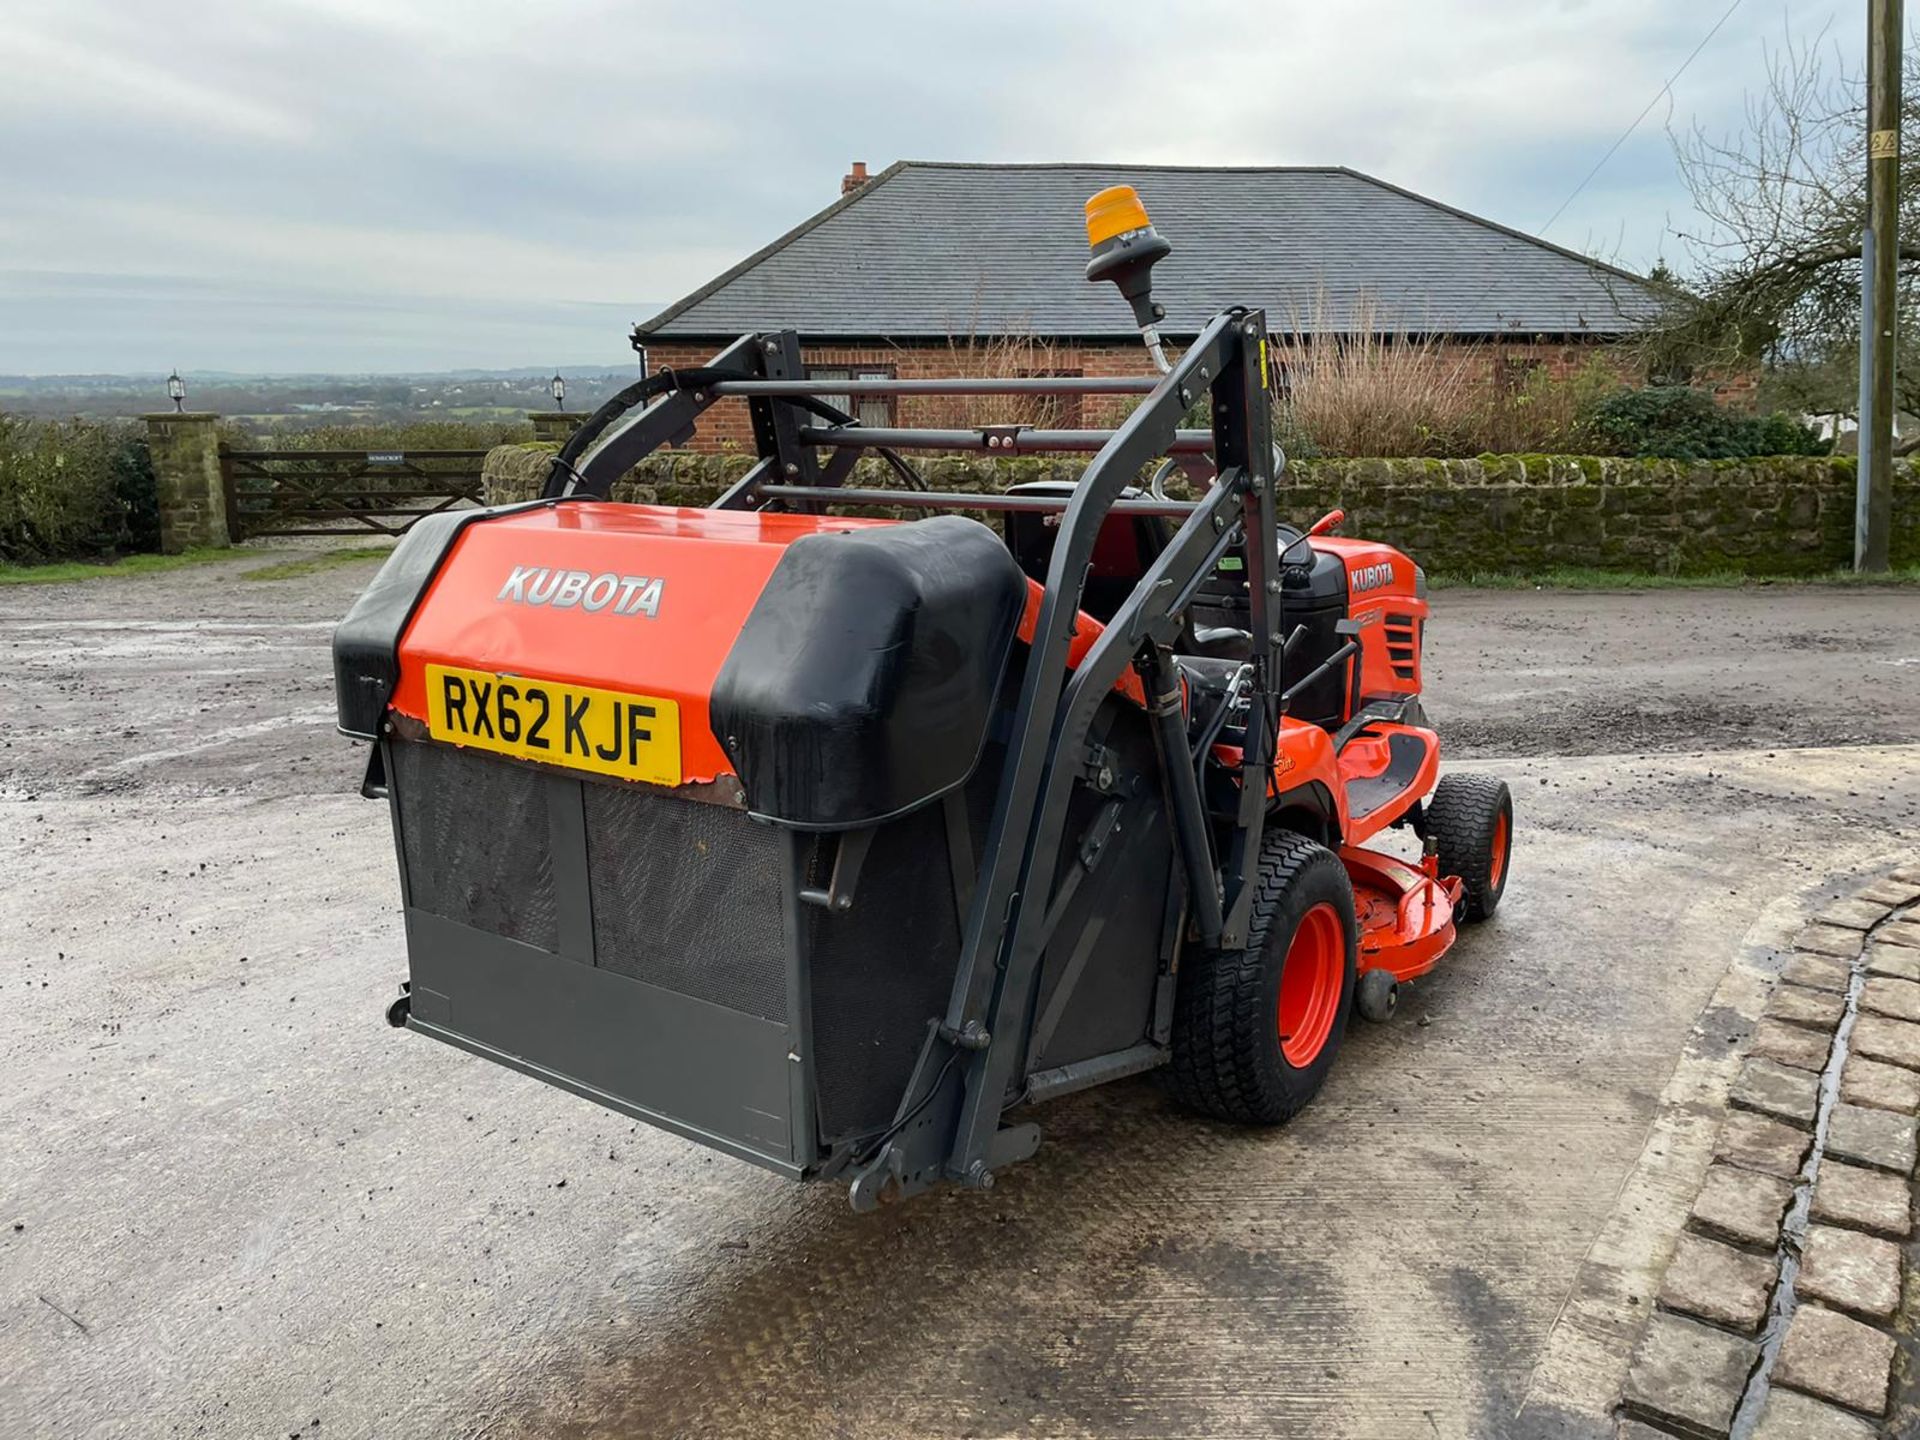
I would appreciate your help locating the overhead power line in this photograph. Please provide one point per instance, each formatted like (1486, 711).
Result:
(1627, 133)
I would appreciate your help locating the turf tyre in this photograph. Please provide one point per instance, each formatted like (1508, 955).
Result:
(1471, 821)
(1228, 1059)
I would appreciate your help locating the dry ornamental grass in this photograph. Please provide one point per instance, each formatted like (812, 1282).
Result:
(1373, 390)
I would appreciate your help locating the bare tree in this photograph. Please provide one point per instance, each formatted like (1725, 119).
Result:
(1774, 274)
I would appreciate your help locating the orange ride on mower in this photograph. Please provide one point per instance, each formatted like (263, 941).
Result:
(840, 844)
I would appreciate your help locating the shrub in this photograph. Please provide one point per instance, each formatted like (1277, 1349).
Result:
(1677, 422)
(1544, 414)
(1781, 434)
(137, 497)
(74, 490)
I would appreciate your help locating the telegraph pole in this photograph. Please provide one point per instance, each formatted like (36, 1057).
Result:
(1873, 515)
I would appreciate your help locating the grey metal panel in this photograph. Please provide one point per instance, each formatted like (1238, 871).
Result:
(573, 896)
(881, 970)
(939, 250)
(686, 1064)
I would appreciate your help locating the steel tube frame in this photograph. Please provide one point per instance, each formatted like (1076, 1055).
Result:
(1006, 439)
(991, 1003)
(626, 440)
(1006, 976)
(951, 385)
(966, 1067)
(962, 500)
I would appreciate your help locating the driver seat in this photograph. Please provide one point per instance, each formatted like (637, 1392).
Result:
(1127, 545)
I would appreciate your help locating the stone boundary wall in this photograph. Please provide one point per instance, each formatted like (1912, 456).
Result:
(1513, 514)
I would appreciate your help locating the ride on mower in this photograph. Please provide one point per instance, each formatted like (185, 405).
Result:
(839, 843)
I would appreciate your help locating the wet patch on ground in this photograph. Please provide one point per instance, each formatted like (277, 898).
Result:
(1622, 725)
(1836, 641)
(1568, 673)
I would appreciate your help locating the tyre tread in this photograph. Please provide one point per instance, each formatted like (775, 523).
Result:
(1220, 1012)
(1459, 818)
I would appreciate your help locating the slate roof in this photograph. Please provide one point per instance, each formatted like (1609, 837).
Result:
(937, 250)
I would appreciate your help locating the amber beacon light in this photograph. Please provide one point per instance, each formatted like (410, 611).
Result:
(1113, 212)
(1125, 247)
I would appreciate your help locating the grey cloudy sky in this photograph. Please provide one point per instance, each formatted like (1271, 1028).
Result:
(418, 184)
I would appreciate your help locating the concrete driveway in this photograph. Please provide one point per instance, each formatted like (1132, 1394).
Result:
(233, 1202)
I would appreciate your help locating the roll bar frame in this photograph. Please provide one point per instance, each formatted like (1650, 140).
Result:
(949, 1122)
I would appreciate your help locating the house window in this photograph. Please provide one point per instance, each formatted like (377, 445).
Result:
(867, 409)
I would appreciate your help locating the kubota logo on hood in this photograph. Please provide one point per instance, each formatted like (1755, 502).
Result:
(617, 594)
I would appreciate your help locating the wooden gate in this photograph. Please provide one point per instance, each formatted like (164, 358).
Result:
(343, 492)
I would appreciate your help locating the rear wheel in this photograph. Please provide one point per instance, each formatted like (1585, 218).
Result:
(1471, 820)
(1255, 1031)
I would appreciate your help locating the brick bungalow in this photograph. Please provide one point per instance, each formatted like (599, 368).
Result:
(937, 268)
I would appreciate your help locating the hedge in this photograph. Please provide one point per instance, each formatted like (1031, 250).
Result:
(75, 490)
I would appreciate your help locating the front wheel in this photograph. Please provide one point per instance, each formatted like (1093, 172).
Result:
(1471, 821)
(1255, 1031)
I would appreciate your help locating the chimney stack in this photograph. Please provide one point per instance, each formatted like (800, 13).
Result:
(854, 178)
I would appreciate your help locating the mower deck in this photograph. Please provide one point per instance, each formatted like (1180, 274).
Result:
(1405, 913)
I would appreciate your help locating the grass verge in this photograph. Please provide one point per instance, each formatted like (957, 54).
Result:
(70, 570)
(314, 563)
(1580, 578)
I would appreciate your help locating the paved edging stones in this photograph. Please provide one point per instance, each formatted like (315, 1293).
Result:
(1774, 1315)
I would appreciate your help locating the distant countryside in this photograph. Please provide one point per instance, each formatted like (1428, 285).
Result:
(270, 403)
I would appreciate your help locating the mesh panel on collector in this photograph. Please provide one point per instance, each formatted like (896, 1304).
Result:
(687, 896)
(474, 832)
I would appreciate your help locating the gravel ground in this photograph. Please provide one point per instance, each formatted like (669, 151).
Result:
(233, 1203)
(1584, 673)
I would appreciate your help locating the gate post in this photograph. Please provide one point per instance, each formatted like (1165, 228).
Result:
(555, 426)
(186, 473)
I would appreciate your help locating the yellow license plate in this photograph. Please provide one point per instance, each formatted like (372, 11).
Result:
(634, 737)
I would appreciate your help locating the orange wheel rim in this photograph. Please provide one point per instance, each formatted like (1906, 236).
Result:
(1311, 979)
(1499, 866)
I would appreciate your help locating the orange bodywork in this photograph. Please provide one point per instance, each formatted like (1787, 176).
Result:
(1382, 600)
(711, 566)
(1405, 912)
(1366, 756)
(1086, 630)
(1305, 756)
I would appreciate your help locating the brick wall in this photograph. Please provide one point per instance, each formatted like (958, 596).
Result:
(1511, 514)
(726, 426)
